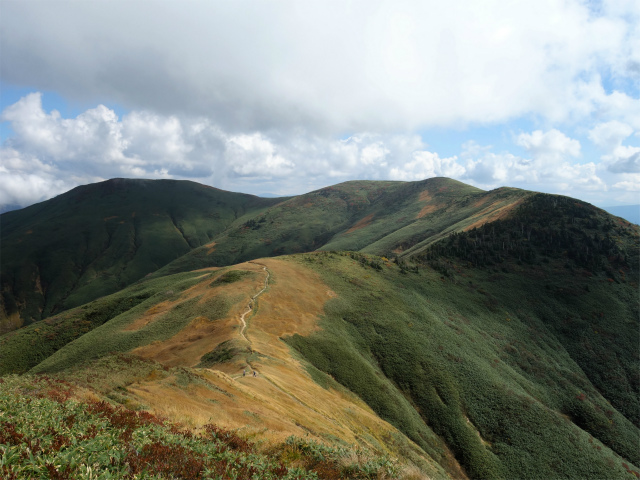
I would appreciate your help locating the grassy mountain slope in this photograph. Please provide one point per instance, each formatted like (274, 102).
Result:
(485, 372)
(99, 238)
(371, 216)
(526, 364)
(500, 342)
(53, 429)
(23, 349)
(301, 224)
(186, 353)
(565, 240)
(504, 351)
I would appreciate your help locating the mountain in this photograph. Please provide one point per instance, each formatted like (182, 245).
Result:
(174, 346)
(96, 239)
(385, 218)
(496, 339)
(99, 238)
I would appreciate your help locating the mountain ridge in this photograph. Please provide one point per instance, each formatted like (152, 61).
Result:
(500, 343)
(90, 241)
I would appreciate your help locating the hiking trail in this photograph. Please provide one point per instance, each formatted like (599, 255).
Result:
(243, 322)
(251, 303)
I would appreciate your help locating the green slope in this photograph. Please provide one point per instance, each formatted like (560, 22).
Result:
(99, 238)
(300, 224)
(46, 435)
(96, 239)
(515, 342)
(25, 348)
(484, 365)
(527, 365)
(370, 216)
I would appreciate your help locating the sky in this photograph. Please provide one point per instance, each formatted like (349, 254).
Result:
(284, 97)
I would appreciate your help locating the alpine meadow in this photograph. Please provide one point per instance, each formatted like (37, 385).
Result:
(371, 329)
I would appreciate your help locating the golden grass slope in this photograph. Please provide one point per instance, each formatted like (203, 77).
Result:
(282, 399)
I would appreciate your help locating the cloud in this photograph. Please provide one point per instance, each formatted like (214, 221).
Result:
(632, 184)
(425, 164)
(97, 145)
(548, 147)
(374, 154)
(618, 158)
(92, 138)
(579, 178)
(613, 106)
(551, 167)
(491, 170)
(153, 136)
(25, 179)
(329, 67)
(548, 166)
(281, 97)
(609, 135)
(49, 154)
(624, 160)
(255, 155)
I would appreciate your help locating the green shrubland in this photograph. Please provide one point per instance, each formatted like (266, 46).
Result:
(476, 361)
(97, 239)
(25, 348)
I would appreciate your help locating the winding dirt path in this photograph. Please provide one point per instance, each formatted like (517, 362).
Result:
(252, 301)
(244, 327)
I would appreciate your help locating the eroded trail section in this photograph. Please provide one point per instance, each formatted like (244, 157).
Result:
(252, 302)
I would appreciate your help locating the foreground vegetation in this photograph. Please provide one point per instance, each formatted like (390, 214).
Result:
(46, 433)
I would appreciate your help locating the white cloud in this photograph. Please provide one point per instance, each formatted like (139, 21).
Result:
(97, 144)
(92, 138)
(425, 164)
(27, 188)
(616, 105)
(49, 154)
(25, 179)
(632, 184)
(551, 168)
(255, 155)
(294, 96)
(374, 154)
(330, 67)
(154, 137)
(491, 170)
(579, 177)
(623, 160)
(618, 158)
(549, 147)
(609, 135)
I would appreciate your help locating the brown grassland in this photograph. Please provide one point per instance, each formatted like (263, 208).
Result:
(282, 399)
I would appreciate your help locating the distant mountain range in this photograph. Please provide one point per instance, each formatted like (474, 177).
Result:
(9, 207)
(457, 332)
(630, 213)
